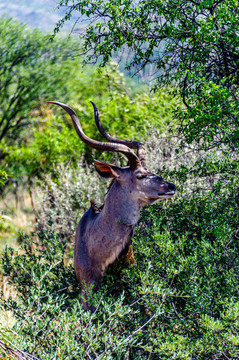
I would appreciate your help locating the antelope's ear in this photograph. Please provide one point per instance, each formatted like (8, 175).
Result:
(106, 170)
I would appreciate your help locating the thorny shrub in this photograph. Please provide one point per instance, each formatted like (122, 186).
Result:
(62, 202)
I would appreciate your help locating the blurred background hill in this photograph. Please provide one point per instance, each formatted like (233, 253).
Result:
(40, 14)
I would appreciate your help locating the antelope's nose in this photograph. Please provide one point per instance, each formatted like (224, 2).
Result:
(171, 187)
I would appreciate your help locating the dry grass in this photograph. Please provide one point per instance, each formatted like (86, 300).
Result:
(6, 317)
(16, 216)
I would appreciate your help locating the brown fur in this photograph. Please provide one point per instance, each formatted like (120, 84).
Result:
(105, 232)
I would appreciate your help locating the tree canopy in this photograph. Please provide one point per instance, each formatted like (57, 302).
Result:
(29, 73)
(192, 44)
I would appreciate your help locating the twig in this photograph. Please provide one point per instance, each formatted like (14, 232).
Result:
(19, 354)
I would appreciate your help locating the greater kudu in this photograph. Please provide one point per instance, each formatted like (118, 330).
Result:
(103, 234)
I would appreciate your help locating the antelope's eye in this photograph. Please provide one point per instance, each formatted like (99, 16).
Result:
(141, 176)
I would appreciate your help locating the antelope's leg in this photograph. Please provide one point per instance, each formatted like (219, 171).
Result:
(88, 286)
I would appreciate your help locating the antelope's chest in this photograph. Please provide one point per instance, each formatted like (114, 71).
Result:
(105, 247)
(116, 251)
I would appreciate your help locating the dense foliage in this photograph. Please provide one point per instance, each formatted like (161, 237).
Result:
(193, 44)
(30, 67)
(179, 299)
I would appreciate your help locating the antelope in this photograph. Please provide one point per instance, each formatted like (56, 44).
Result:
(103, 234)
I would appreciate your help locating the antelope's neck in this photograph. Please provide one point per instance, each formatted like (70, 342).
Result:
(120, 208)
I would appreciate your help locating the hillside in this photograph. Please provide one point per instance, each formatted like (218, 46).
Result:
(36, 13)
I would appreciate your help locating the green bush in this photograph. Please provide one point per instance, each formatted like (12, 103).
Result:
(178, 301)
(32, 70)
(3, 177)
